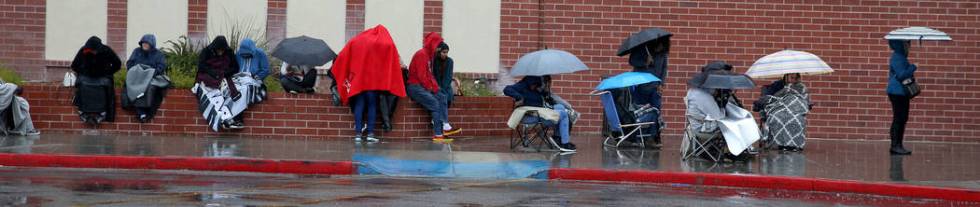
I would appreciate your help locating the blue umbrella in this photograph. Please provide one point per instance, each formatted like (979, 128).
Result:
(626, 79)
(547, 62)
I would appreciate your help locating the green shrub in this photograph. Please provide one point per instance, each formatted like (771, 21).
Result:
(10, 76)
(476, 87)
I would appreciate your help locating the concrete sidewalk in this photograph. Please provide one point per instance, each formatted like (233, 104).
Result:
(932, 164)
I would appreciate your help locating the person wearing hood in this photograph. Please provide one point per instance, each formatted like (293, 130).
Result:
(442, 70)
(217, 64)
(900, 70)
(423, 88)
(532, 93)
(95, 63)
(252, 60)
(148, 96)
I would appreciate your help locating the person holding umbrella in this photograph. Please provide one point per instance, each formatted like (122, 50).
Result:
(300, 56)
(648, 52)
(902, 86)
(784, 104)
(533, 93)
(711, 107)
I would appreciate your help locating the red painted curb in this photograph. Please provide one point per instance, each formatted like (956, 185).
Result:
(766, 182)
(179, 163)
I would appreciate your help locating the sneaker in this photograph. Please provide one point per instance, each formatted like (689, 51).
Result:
(446, 127)
(143, 118)
(237, 125)
(357, 138)
(567, 147)
(293, 92)
(370, 138)
(32, 133)
(451, 132)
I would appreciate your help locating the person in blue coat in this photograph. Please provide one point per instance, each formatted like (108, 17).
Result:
(899, 68)
(147, 54)
(252, 59)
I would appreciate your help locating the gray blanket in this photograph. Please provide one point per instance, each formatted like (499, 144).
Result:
(786, 111)
(138, 79)
(20, 110)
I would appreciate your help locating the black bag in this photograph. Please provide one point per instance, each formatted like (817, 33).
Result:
(911, 87)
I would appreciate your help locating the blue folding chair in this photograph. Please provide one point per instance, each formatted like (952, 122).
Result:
(615, 126)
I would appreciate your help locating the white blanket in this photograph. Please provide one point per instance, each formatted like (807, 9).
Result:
(739, 129)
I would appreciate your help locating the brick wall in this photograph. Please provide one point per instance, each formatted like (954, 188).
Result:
(276, 22)
(22, 37)
(117, 27)
(197, 20)
(355, 19)
(283, 115)
(432, 16)
(850, 103)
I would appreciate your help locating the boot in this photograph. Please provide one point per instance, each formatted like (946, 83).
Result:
(897, 148)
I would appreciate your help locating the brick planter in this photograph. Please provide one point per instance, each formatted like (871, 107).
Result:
(283, 115)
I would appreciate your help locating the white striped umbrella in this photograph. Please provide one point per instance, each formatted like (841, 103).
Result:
(917, 33)
(786, 62)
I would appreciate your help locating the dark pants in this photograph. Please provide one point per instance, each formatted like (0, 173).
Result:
(900, 111)
(435, 103)
(365, 101)
(303, 86)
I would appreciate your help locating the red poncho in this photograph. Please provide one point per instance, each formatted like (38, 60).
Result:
(368, 62)
(419, 71)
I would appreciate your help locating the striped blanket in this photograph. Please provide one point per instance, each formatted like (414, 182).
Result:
(218, 106)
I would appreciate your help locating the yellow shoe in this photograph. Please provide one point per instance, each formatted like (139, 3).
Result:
(452, 131)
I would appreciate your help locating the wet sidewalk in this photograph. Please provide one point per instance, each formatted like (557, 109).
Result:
(934, 164)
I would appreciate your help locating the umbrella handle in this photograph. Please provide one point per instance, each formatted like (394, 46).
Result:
(598, 92)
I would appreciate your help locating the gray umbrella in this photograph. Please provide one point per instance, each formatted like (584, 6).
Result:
(547, 62)
(641, 38)
(304, 50)
(728, 81)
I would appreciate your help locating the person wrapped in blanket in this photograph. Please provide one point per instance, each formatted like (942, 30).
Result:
(533, 93)
(783, 107)
(223, 93)
(704, 106)
(146, 82)
(95, 94)
(15, 115)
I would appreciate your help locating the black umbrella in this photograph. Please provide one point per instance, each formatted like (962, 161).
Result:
(728, 81)
(641, 38)
(304, 50)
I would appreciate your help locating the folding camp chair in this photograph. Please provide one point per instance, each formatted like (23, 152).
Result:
(534, 134)
(696, 144)
(615, 125)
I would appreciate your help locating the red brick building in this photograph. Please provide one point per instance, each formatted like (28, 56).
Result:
(849, 104)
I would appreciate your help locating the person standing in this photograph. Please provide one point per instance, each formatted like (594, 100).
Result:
(899, 71)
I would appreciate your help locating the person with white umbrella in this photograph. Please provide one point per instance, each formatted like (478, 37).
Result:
(533, 92)
(784, 104)
(902, 86)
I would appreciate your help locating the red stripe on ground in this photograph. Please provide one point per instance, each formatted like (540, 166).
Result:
(179, 163)
(767, 182)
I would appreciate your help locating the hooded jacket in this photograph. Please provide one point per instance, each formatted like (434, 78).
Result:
(212, 68)
(442, 70)
(521, 91)
(153, 57)
(96, 59)
(899, 68)
(253, 59)
(638, 59)
(419, 70)
(368, 62)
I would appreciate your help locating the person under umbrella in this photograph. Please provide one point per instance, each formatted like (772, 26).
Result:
(783, 107)
(533, 93)
(297, 78)
(710, 101)
(146, 84)
(95, 63)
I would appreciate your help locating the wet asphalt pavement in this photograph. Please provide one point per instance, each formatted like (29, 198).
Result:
(98, 187)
